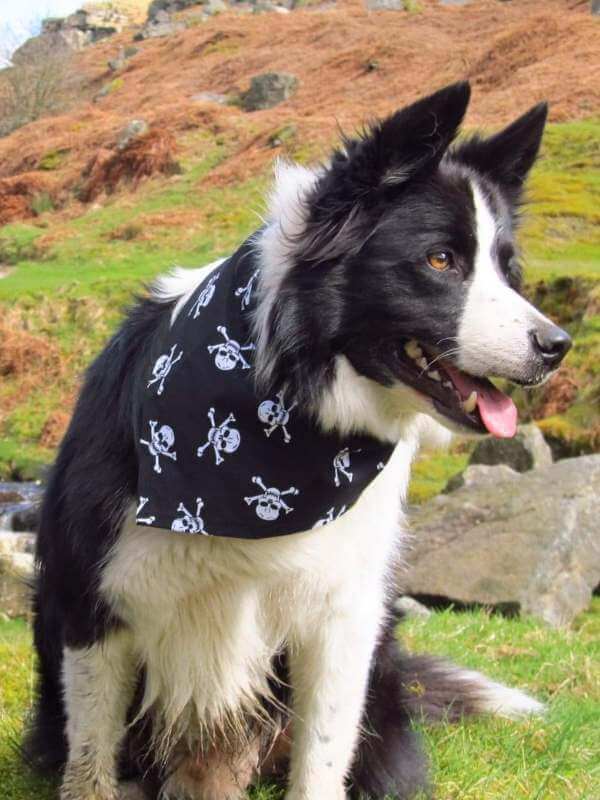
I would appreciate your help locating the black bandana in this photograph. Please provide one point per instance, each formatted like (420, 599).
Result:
(214, 457)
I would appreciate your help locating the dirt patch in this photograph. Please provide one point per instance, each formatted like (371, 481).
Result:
(54, 429)
(558, 395)
(22, 353)
(17, 195)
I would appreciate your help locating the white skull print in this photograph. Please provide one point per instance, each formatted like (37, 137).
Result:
(341, 466)
(331, 516)
(204, 298)
(143, 520)
(189, 523)
(162, 367)
(270, 502)
(160, 444)
(222, 438)
(245, 292)
(274, 414)
(229, 353)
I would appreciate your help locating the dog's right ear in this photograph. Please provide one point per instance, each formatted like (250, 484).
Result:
(400, 147)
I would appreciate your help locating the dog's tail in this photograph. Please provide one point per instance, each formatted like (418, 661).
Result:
(406, 688)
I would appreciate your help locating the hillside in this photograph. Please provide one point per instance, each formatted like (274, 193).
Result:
(78, 236)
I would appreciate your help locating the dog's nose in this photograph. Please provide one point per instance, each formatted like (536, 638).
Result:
(552, 343)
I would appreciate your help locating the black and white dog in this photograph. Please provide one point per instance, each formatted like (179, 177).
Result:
(386, 290)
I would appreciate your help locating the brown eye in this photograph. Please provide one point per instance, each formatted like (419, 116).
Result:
(440, 260)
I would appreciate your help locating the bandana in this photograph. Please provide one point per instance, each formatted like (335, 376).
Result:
(218, 459)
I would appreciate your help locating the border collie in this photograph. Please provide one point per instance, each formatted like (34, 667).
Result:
(387, 291)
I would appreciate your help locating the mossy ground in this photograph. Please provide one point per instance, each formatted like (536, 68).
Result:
(553, 758)
(72, 278)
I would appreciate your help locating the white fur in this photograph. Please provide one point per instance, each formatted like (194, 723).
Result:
(494, 332)
(179, 284)
(286, 219)
(495, 698)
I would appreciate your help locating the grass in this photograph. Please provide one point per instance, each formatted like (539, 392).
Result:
(553, 758)
(73, 277)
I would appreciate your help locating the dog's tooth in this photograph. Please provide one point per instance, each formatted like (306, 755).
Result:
(422, 362)
(412, 349)
(447, 384)
(470, 403)
(434, 375)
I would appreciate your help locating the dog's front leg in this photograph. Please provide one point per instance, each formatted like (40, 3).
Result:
(329, 670)
(99, 682)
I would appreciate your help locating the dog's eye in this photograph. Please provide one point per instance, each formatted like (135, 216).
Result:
(440, 260)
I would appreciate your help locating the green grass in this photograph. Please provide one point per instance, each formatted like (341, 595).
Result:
(553, 758)
(72, 278)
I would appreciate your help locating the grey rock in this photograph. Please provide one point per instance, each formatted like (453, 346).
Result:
(171, 6)
(16, 569)
(530, 540)
(527, 450)
(213, 7)
(411, 607)
(133, 130)
(269, 90)
(480, 475)
(385, 5)
(454, 2)
(123, 56)
(595, 8)
(211, 97)
(159, 25)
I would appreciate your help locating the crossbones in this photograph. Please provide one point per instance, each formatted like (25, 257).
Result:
(245, 292)
(229, 352)
(273, 413)
(341, 465)
(223, 438)
(160, 443)
(164, 364)
(270, 503)
(189, 523)
(143, 520)
(330, 517)
(204, 298)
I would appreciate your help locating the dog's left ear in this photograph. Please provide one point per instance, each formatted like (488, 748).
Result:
(507, 156)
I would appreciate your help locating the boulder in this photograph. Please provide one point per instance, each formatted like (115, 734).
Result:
(133, 130)
(210, 97)
(595, 8)
(159, 25)
(268, 90)
(120, 60)
(385, 5)
(529, 540)
(480, 475)
(16, 571)
(527, 450)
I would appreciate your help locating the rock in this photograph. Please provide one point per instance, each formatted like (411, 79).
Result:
(16, 569)
(529, 540)
(595, 8)
(171, 6)
(211, 97)
(480, 475)
(159, 25)
(385, 5)
(268, 90)
(411, 607)
(133, 130)
(527, 450)
(454, 2)
(125, 53)
(213, 7)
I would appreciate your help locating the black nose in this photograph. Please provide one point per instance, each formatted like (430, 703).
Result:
(552, 343)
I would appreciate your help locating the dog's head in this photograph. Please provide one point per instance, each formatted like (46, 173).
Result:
(398, 259)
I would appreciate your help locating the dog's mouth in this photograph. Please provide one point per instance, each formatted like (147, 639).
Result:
(470, 402)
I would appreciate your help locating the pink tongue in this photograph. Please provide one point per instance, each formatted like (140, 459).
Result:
(498, 412)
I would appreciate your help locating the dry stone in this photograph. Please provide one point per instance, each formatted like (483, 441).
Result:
(527, 450)
(530, 539)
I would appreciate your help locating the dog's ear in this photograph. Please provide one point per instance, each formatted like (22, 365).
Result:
(507, 156)
(413, 139)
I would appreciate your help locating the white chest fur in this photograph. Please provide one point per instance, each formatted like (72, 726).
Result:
(207, 614)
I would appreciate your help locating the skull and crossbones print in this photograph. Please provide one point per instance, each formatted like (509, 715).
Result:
(245, 292)
(330, 516)
(274, 414)
(341, 466)
(222, 438)
(163, 365)
(270, 502)
(160, 444)
(189, 523)
(229, 353)
(204, 298)
(143, 520)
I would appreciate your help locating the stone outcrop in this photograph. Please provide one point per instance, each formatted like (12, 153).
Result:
(505, 538)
